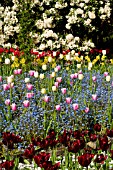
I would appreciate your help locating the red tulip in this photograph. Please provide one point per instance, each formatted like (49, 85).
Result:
(100, 158)
(85, 159)
(97, 127)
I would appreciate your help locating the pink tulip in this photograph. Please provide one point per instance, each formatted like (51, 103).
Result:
(15, 72)
(29, 95)
(76, 75)
(72, 76)
(63, 90)
(58, 67)
(7, 102)
(94, 78)
(0, 78)
(56, 84)
(80, 71)
(31, 72)
(6, 87)
(29, 86)
(106, 74)
(13, 107)
(86, 110)
(58, 107)
(94, 97)
(46, 99)
(10, 85)
(75, 106)
(112, 84)
(26, 103)
(19, 71)
(59, 79)
(68, 100)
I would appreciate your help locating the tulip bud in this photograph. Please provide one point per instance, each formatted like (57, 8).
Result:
(58, 107)
(44, 67)
(94, 97)
(50, 59)
(7, 102)
(27, 80)
(13, 107)
(31, 72)
(0, 78)
(80, 76)
(75, 106)
(43, 91)
(29, 86)
(54, 88)
(63, 90)
(36, 74)
(41, 76)
(46, 99)
(108, 78)
(68, 100)
(78, 65)
(26, 103)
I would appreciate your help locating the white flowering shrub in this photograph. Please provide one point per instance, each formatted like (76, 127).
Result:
(48, 24)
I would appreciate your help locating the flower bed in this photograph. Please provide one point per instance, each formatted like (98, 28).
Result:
(58, 114)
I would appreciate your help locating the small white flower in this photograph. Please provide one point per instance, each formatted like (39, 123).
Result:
(7, 61)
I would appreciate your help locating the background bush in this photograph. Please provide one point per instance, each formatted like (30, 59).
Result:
(45, 25)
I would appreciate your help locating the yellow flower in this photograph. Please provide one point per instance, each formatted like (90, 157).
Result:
(45, 60)
(111, 60)
(94, 61)
(67, 68)
(22, 61)
(44, 67)
(23, 65)
(39, 61)
(53, 65)
(87, 58)
(17, 64)
(102, 63)
(12, 65)
(16, 59)
(43, 91)
(81, 57)
(76, 58)
(98, 57)
(0, 60)
(103, 57)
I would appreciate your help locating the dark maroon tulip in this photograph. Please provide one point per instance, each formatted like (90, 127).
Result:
(36, 141)
(85, 159)
(77, 134)
(29, 152)
(8, 165)
(41, 158)
(97, 127)
(103, 142)
(48, 166)
(93, 137)
(109, 133)
(74, 146)
(51, 134)
(64, 138)
(10, 139)
(100, 158)
(111, 151)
